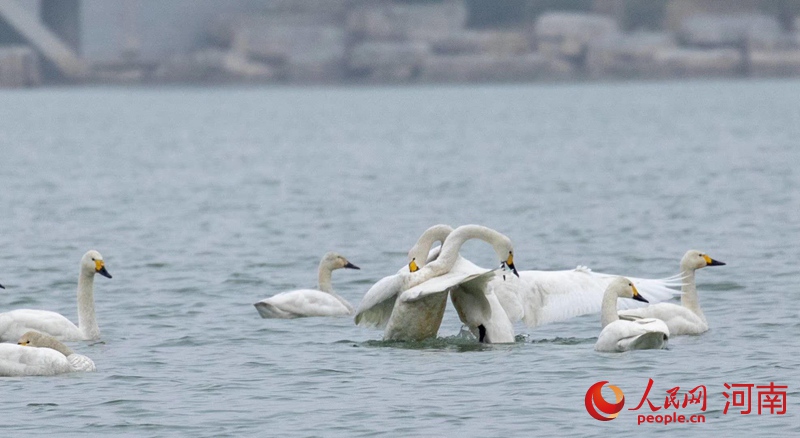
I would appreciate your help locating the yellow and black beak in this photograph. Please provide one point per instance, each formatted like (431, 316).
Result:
(100, 268)
(351, 266)
(638, 297)
(510, 263)
(412, 266)
(712, 262)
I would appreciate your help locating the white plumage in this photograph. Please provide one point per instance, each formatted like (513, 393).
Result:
(310, 302)
(620, 335)
(15, 323)
(687, 318)
(37, 354)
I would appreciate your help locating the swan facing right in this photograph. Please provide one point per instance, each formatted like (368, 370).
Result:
(37, 354)
(310, 302)
(620, 335)
(15, 323)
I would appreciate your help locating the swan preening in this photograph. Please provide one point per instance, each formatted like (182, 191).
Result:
(15, 323)
(621, 335)
(310, 302)
(37, 354)
(686, 319)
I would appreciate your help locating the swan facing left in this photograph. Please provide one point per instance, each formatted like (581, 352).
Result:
(37, 354)
(15, 323)
(310, 302)
(621, 335)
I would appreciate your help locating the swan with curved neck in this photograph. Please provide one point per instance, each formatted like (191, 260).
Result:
(15, 323)
(418, 311)
(376, 306)
(37, 354)
(687, 318)
(309, 302)
(620, 335)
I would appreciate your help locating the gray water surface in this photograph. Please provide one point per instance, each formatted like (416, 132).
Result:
(203, 201)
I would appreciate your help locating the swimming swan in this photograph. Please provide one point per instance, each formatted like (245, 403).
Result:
(309, 302)
(620, 335)
(686, 319)
(37, 354)
(422, 294)
(15, 323)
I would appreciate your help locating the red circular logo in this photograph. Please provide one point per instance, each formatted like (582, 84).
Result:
(595, 402)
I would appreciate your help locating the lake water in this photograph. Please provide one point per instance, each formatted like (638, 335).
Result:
(203, 201)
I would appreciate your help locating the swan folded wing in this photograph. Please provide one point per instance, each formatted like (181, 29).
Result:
(376, 306)
(307, 302)
(15, 323)
(442, 283)
(16, 360)
(79, 362)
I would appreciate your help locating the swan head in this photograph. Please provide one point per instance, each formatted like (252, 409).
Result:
(625, 288)
(336, 261)
(93, 263)
(694, 259)
(505, 252)
(35, 339)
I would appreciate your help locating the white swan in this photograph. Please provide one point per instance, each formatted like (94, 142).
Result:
(686, 319)
(422, 295)
(310, 302)
(376, 306)
(15, 323)
(620, 335)
(37, 354)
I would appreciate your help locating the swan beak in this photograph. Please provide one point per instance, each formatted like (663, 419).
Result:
(412, 266)
(348, 266)
(712, 262)
(510, 263)
(100, 268)
(2, 287)
(638, 297)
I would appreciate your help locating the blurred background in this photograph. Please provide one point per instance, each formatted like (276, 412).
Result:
(392, 41)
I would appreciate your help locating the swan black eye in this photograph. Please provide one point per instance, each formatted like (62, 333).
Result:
(93, 259)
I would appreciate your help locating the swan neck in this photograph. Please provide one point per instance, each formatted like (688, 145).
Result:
(452, 245)
(420, 250)
(689, 298)
(324, 278)
(87, 321)
(55, 345)
(608, 311)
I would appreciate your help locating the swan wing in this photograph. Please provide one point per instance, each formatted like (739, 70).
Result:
(376, 306)
(16, 360)
(551, 296)
(641, 334)
(302, 303)
(79, 362)
(15, 323)
(442, 283)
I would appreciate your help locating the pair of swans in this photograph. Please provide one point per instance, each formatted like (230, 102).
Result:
(650, 327)
(535, 297)
(310, 302)
(410, 304)
(37, 354)
(15, 323)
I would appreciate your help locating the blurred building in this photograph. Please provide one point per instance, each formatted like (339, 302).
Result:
(331, 41)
